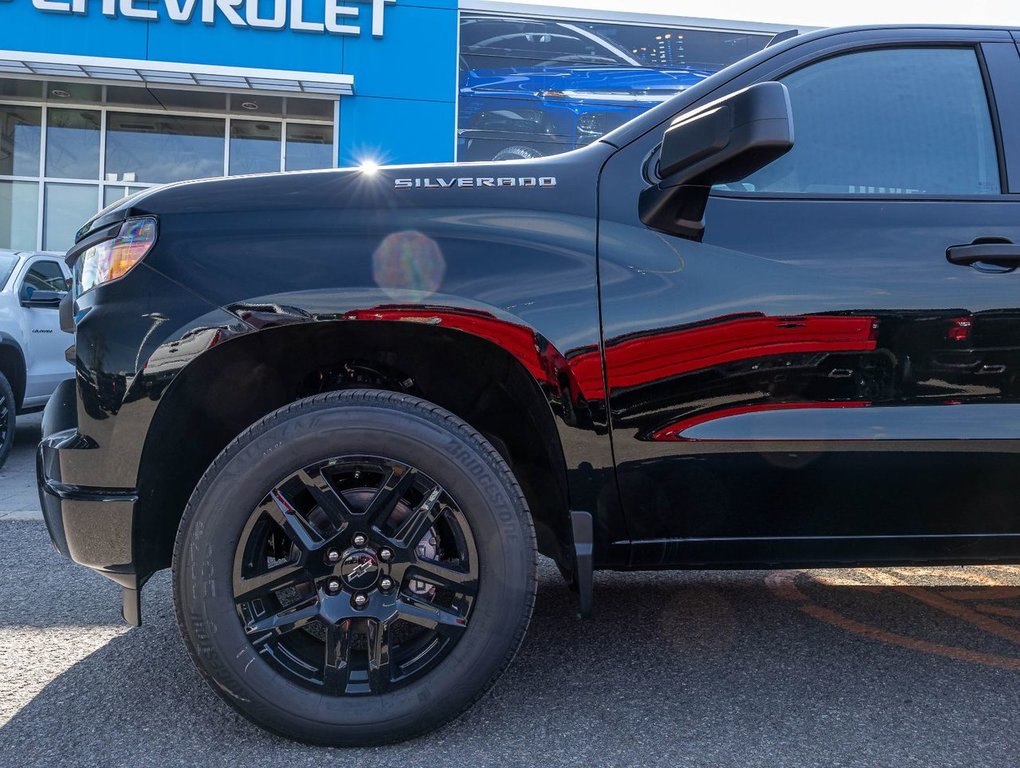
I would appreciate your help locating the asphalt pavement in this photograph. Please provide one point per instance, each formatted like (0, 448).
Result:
(18, 497)
(862, 667)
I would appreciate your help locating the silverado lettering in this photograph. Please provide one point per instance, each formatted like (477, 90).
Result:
(468, 181)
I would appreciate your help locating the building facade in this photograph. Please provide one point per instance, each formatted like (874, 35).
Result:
(100, 98)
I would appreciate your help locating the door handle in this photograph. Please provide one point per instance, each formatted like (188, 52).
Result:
(1005, 255)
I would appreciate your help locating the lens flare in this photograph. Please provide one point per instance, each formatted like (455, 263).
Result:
(407, 264)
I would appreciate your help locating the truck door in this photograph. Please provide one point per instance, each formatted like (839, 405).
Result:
(833, 372)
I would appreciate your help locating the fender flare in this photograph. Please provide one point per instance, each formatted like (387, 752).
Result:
(19, 380)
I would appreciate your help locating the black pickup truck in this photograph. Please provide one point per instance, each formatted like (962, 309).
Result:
(772, 322)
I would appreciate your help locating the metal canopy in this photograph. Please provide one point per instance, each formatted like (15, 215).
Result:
(52, 65)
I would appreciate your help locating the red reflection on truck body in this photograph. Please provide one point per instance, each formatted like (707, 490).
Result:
(650, 358)
(675, 430)
(518, 340)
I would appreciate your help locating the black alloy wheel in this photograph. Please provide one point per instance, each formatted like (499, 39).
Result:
(356, 568)
(8, 418)
(355, 575)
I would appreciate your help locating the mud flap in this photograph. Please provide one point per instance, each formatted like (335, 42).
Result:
(132, 608)
(583, 530)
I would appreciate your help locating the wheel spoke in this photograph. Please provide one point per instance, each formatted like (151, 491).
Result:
(326, 496)
(443, 621)
(421, 519)
(281, 510)
(287, 620)
(298, 591)
(248, 588)
(337, 667)
(388, 496)
(444, 576)
(379, 672)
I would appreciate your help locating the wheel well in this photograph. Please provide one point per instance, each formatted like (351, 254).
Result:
(12, 365)
(235, 384)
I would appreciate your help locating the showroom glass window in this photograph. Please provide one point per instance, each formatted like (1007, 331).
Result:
(68, 149)
(155, 149)
(254, 146)
(72, 143)
(20, 141)
(539, 86)
(907, 121)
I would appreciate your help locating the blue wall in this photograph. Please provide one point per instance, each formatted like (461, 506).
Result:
(405, 82)
(406, 86)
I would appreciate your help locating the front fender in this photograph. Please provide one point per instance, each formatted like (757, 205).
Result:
(500, 376)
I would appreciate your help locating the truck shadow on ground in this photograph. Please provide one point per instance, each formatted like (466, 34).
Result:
(702, 668)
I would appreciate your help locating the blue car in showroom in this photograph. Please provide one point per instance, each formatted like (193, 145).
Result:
(533, 88)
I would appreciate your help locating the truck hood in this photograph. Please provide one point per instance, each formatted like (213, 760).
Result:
(318, 196)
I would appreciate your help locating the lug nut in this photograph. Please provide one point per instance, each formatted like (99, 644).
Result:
(360, 601)
(386, 554)
(386, 583)
(333, 556)
(359, 540)
(333, 586)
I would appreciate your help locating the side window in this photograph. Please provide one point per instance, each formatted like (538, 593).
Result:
(897, 121)
(42, 276)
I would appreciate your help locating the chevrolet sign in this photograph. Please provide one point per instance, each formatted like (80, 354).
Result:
(279, 14)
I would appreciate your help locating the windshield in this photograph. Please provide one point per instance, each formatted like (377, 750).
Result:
(7, 262)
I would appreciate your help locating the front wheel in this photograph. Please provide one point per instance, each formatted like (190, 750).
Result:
(356, 568)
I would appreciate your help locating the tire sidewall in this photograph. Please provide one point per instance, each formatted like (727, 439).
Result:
(287, 443)
(7, 392)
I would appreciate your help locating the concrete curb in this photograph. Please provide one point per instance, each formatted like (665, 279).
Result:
(20, 517)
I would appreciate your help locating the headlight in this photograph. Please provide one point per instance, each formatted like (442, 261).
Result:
(114, 258)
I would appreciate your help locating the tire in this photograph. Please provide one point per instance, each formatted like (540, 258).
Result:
(517, 152)
(8, 418)
(273, 492)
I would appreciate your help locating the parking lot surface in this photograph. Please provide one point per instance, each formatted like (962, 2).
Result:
(862, 667)
(18, 496)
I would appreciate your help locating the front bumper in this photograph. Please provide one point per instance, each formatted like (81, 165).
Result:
(91, 526)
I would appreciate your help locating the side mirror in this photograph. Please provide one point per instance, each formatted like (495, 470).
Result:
(43, 299)
(721, 142)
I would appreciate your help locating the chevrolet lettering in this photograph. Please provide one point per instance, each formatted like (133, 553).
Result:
(337, 19)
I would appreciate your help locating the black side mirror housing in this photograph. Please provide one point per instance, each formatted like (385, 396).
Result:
(43, 299)
(718, 143)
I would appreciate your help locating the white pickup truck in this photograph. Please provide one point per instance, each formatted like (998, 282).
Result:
(32, 361)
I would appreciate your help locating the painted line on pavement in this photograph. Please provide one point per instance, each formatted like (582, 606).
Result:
(807, 590)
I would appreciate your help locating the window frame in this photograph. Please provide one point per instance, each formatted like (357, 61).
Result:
(993, 112)
(645, 132)
(19, 286)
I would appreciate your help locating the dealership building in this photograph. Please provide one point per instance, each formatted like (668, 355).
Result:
(101, 98)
